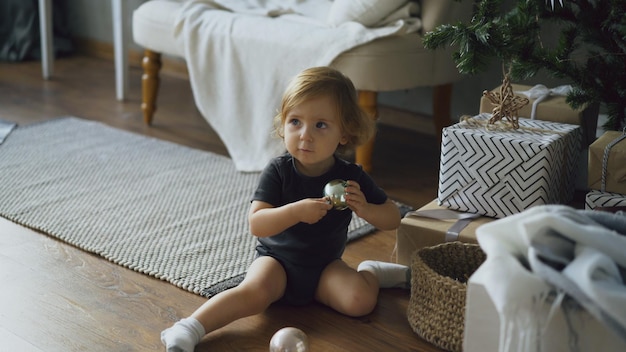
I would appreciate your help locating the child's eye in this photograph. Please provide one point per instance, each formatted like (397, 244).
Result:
(321, 125)
(294, 122)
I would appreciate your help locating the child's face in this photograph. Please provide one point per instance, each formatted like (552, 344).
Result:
(312, 133)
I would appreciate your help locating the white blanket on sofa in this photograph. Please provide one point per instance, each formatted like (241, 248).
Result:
(240, 63)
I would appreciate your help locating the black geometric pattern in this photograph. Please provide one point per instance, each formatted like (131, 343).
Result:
(598, 199)
(503, 172)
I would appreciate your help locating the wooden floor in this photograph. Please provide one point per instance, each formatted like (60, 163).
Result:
(54, 297)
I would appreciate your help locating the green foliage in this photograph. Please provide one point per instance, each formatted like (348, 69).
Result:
(590, 51)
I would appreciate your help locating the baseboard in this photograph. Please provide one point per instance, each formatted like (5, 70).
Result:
(407, 120)
(176, 67)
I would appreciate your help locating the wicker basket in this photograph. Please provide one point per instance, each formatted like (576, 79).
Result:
(436, 309)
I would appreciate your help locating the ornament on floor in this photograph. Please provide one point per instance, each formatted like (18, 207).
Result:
(506, 103)
(335, 192)
(289, 339)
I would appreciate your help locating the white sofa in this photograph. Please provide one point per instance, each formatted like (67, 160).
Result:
(385, 64)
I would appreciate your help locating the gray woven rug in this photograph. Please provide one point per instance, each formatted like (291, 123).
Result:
(165, 210)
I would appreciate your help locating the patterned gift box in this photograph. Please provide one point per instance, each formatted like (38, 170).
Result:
(598, 199)
(502, 172)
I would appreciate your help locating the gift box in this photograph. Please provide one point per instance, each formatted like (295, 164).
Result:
(499, 172)
(614, 166)
(482, 331)
(425, 228)
(598, 199)
(550, 282)
(553, 108)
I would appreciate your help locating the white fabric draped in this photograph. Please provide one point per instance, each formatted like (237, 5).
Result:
(242, 54)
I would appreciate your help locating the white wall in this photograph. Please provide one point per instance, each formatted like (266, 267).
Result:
(93, 18)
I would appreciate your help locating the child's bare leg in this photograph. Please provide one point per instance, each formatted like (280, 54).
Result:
(264, 283)
(346, 290)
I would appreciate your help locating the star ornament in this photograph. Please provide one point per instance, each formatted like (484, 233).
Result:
(506, 104)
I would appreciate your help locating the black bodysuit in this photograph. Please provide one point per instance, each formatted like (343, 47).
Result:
(305, 250)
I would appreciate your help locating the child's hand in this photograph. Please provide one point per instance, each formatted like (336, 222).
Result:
(384, 216)
(355, 198)
(311, 210)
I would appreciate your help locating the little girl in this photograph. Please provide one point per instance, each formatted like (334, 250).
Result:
(301, 238)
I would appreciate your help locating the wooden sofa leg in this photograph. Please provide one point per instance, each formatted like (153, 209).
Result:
(442, 97)
(150, 84)
(367, 102)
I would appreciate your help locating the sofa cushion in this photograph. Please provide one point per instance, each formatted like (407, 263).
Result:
(153, 26)
(366, 12)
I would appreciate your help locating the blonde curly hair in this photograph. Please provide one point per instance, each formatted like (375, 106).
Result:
(313, 82)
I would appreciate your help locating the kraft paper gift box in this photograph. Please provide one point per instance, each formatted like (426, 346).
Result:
(416, 232)
(497, 173)
(615, 167)
(598, 199)
(553, 108)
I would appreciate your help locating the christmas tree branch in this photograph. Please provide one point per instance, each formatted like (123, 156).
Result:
(591, 48)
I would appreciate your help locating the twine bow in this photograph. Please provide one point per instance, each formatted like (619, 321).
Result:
(501, 126)
(605, 158)
(541, 93)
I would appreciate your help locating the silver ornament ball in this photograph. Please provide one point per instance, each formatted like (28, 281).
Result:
(335, 192)
(289, 339)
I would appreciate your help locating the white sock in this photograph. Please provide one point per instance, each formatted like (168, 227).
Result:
(388, 274)
(183, 336)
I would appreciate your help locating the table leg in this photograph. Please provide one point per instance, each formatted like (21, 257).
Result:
(47, 45)
(120, 36)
